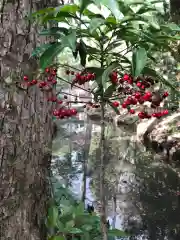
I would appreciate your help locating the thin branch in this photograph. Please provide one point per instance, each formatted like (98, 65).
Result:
(69, 94)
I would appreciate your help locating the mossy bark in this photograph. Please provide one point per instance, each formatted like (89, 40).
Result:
(25, 127)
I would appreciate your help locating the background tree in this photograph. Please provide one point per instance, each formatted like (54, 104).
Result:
(25, 126)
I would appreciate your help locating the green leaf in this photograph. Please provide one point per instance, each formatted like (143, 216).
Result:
(52, 218)
(87, 227)
(112, 5)
(108, 70)
(39, 50)
(75, 231)
(172, 26)
(67, 9)
(70, 40)
(82, 52)
(57, 238)
(70, 224)
(95, 23)
(116, 233)
(109, 91)
(54, 31)
(84, 4)
(48, 56)
(60, 225)
(117, 112)
(43, 11)
(139, 60)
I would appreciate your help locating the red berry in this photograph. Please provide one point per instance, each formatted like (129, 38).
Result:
(72, 72)
(154, 115)
(165, 94)
(141, 100)
(124, 105)
(126, 77)
(115, 104)
(60, 101)
(49, 79)
(134, 101)
(53, 73)
(142, 87)
(34, 81)
(47, 70)
(132, 111)
(141, 115)
(73, 111)
(54, 82)
(55, 112)
(25, 78)
(165, 112)
(138, 84)
(29, 84)
(137, 95)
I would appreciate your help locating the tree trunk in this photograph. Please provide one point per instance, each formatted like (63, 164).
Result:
(25, 128)
(175, 10)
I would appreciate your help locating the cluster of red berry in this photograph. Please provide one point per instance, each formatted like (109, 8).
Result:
(50, 80)
(136, 88)
(81, 77)
(138, 96)
(62, 113)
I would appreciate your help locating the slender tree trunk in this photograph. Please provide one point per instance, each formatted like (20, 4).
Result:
(86, 155)
(102, 173)
(25, 128)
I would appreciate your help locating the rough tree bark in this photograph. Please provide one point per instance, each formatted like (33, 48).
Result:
(25, 127)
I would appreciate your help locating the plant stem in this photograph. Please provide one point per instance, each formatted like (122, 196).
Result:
(102, 173)
(102, 155)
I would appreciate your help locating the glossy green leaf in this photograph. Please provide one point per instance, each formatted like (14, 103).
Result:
(106, 73)
(112, 5)
(82, 52)
(139, 60)
(70, 40)
(52, 218)
(117, 233)
(109, 91)
(84, 4)
(43, 11)
(48, 56)
(95, 23)
(67, 8)
(39, 50)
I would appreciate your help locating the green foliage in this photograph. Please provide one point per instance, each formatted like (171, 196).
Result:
(73, 222)
(138, 61)
(122, 27)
